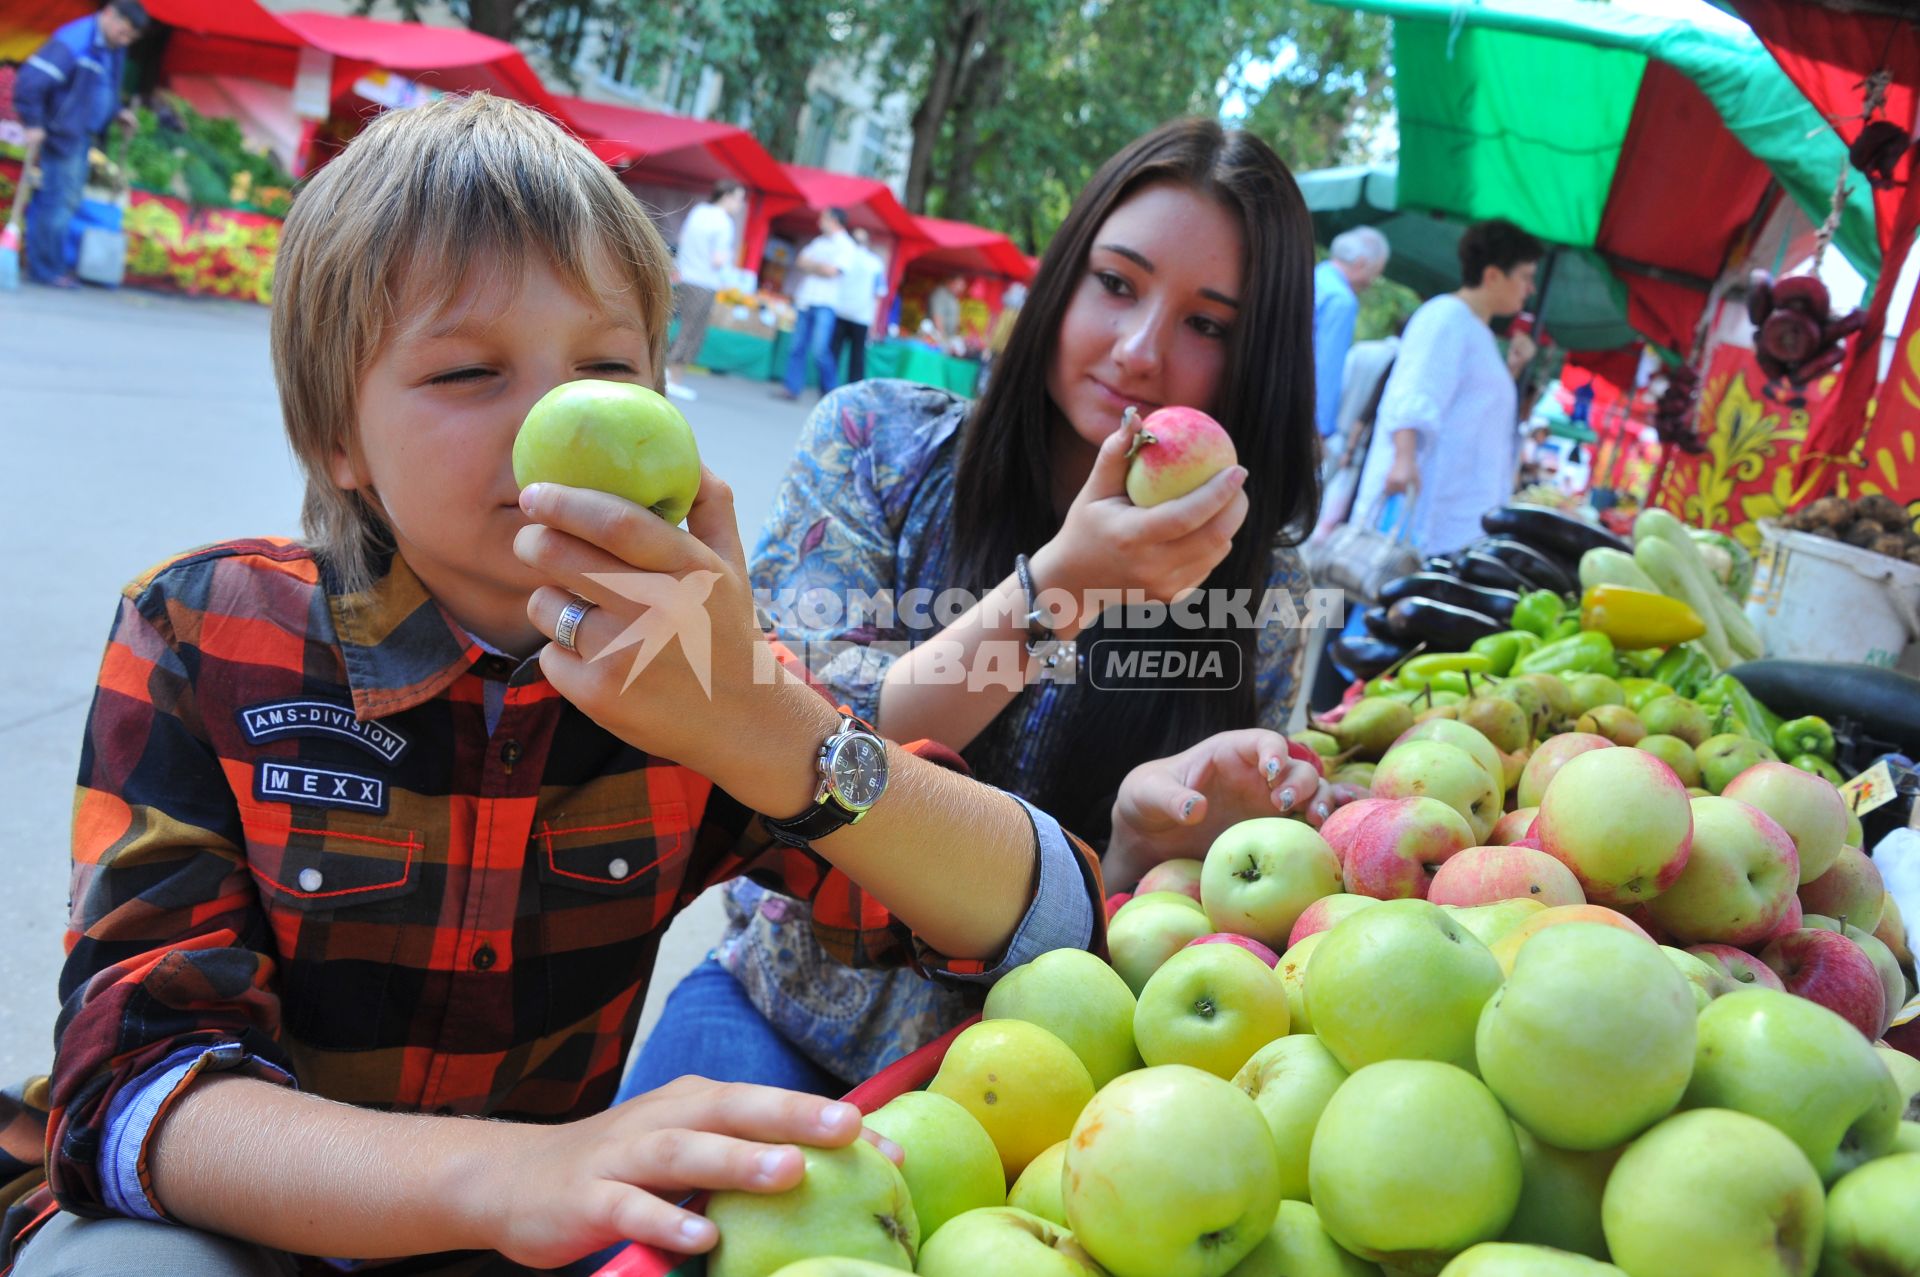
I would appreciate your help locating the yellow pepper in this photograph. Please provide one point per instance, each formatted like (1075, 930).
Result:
(1638, 618)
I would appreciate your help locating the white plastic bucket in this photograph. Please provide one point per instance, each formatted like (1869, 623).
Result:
(1816, 599)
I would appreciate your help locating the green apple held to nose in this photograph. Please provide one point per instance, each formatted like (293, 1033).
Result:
(611, 436)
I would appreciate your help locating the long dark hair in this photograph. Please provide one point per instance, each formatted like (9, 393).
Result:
(1003, 498)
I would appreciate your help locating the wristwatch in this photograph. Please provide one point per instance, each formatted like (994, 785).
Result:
(853, 774)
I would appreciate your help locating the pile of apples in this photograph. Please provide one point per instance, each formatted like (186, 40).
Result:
(1469, 1058)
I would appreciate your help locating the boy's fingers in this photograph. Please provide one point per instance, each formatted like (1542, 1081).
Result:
(713, 522)
(636, 536)
(639, 1216)
(565, 558)
(679, 1160)
(764, 1113)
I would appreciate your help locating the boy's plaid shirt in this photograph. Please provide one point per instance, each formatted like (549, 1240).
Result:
(294, 836)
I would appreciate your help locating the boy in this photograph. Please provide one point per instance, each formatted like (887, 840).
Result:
(359, 853)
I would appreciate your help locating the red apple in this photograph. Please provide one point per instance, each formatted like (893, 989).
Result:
(1394, 854)
(1739, 965)
(1182, 876)
(1828, 968)
(1851, 891)
(1175, 451)
(1248, 943)
(1323, 913)
(1340, 827)
(1790, 921)
(1483, 875)
(1512, 827)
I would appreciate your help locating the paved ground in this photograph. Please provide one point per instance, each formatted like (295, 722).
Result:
(139, 426)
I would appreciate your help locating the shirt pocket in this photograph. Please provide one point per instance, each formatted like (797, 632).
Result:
(626, 852)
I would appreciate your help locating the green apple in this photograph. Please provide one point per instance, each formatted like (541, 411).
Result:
(1708, 980)
(1163, 897)
(1261, 874)
(1807, 806)
(1505, 1259)
(1211, 1006)
(1620, 819)
(1435, 769)
(1679, 718)
(1801, 1067)
(1590, 690)
(1725, 756)
(1740, 873)
(1591, 1039)
(1140, 939)
(1298, 1246)
(1851, 890)
(1553, 754)
(615, 437)
(1464, 735)
(1560, 1194)
(1907, 1140)
(1037, 1191)
(951, 1166)
(1021, 1083)
(1871, 1225)
(835, 1266)
(1292, 970)
(1675, 753)
(1489, 923)
(1402, 980)
(1893, 981)
(1713, 1193)
(1291, 1079)
(1080, 1000)
(1906, 1074)
(1171, 1173)
(1003, 1239)
(851, 1202)
(1412, 1162)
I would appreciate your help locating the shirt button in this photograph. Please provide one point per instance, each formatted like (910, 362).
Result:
(510, 752)
(311, 879)
(617, 868)
(483, 957)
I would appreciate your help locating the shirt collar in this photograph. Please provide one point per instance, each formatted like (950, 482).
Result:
(401, 648)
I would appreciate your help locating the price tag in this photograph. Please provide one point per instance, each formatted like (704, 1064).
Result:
(1871, 789)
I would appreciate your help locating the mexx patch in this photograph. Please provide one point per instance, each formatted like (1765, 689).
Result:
(319, 787)
(275, 719)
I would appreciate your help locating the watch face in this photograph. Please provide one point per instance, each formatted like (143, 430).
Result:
(859, 771)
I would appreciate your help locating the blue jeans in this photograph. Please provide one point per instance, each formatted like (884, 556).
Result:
(812, 339)
(709, 1029)
(63, 178)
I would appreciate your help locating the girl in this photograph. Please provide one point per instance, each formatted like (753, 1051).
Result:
(1182, 276)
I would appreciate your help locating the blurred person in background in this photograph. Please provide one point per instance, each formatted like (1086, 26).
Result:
(1354, 260)
(701, 260)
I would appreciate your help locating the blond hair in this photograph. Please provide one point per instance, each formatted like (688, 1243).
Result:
(417, 199)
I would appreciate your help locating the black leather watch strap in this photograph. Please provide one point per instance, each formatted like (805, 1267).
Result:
(816, 822)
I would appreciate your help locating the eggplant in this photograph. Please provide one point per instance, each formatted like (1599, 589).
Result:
(1439, 563)
(1441, 625)
(1886, 703)
(1375, 619)
(1549, 531)
(1498, 604)
(1484, 569)
(1365, 657)
(1538, 570)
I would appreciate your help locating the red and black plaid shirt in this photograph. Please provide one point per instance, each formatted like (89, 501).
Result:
(295, 835)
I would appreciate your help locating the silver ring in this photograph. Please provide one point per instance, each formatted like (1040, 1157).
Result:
(568, 625)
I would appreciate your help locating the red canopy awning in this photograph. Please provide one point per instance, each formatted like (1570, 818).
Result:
(971, 250)
(866, 202)
(26, 24)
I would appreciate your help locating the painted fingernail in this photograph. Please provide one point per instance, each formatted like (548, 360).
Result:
(1286, 797)
(835, 1116)
(1322, 810)
(1186, 808)
(1272, 768)
(529, 499)
(694, 1230)
(770, 1163)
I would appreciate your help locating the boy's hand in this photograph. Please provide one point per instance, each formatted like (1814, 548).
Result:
(671, 658)
(615, 1177)
(1175, 807)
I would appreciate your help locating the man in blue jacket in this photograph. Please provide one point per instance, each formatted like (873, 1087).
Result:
(65, 93)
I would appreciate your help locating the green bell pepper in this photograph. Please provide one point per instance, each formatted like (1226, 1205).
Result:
(1684, 668)
(1502, 650)
(1564, 628)
(1440, 681)
(1818, 766)
(1642, 690)
(1727, 699)
(1809, 735)
(1538, 611)
(1641, 662)
(1586, 653)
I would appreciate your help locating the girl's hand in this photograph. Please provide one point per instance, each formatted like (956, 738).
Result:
(687, 672)
(1175, 807)
(1107, 543)
(614, 1177)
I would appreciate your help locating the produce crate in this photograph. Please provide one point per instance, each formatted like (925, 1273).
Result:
(909, 1074)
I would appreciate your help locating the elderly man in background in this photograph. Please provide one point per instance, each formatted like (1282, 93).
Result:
(1355, 259)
